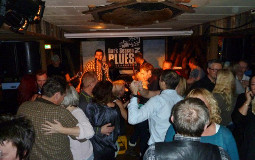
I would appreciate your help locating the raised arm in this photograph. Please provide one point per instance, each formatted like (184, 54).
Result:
(144, 92)
(244, 108)
(123, 111)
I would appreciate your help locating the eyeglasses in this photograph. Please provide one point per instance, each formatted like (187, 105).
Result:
(215, 70)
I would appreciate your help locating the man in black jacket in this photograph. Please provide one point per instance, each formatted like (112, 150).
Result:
(208, 82)
(190, 118)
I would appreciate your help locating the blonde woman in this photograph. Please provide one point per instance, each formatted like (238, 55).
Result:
(182, 86)
(118, 91)
(224, 94)
(215, 133)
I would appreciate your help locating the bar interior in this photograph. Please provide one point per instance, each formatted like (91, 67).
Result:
(119, 59)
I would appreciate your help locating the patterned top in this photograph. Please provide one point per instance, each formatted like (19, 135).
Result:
(48, 147)
(102, 74)
(150, 153)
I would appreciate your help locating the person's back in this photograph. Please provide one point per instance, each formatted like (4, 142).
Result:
(188, 150)
(159, 120)
(190, 118)
(48, 146)
(89, 80)
(158, 109)
(104, 115)
(100, 112)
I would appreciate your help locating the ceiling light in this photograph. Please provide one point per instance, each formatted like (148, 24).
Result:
(130, 29)
(137, 13)
(128, 34)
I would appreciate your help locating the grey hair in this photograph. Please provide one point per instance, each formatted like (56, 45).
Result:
(190, 116)
(71, 98)
(210, 62)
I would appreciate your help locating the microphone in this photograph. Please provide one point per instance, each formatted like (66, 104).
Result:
(100, 61)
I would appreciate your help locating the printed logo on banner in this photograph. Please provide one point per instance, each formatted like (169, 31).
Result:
(122, 51)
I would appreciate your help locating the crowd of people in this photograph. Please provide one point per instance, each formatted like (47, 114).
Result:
(208, 115)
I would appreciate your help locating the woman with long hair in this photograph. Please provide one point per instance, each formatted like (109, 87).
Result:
(224, 94)
(182, 86)
(102, 111)
(214, 134)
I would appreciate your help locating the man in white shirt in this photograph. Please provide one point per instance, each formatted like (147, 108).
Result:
(158, 109)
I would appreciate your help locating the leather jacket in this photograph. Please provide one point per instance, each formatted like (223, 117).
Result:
(186, 150)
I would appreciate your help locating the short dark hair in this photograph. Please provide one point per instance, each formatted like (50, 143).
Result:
(190, 117)
(102, 92)
(40, 72)
(99, 50)
(171, 78)
(210, 62)
(19, 131)
(147, 67)
(53, 85)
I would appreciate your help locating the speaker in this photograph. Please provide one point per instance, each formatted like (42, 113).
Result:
(16, 60)
(19, 58)
(29, 57)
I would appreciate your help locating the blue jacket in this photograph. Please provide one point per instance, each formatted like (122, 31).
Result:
(103, 146)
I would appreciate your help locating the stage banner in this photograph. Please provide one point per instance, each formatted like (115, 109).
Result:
(122, 51)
